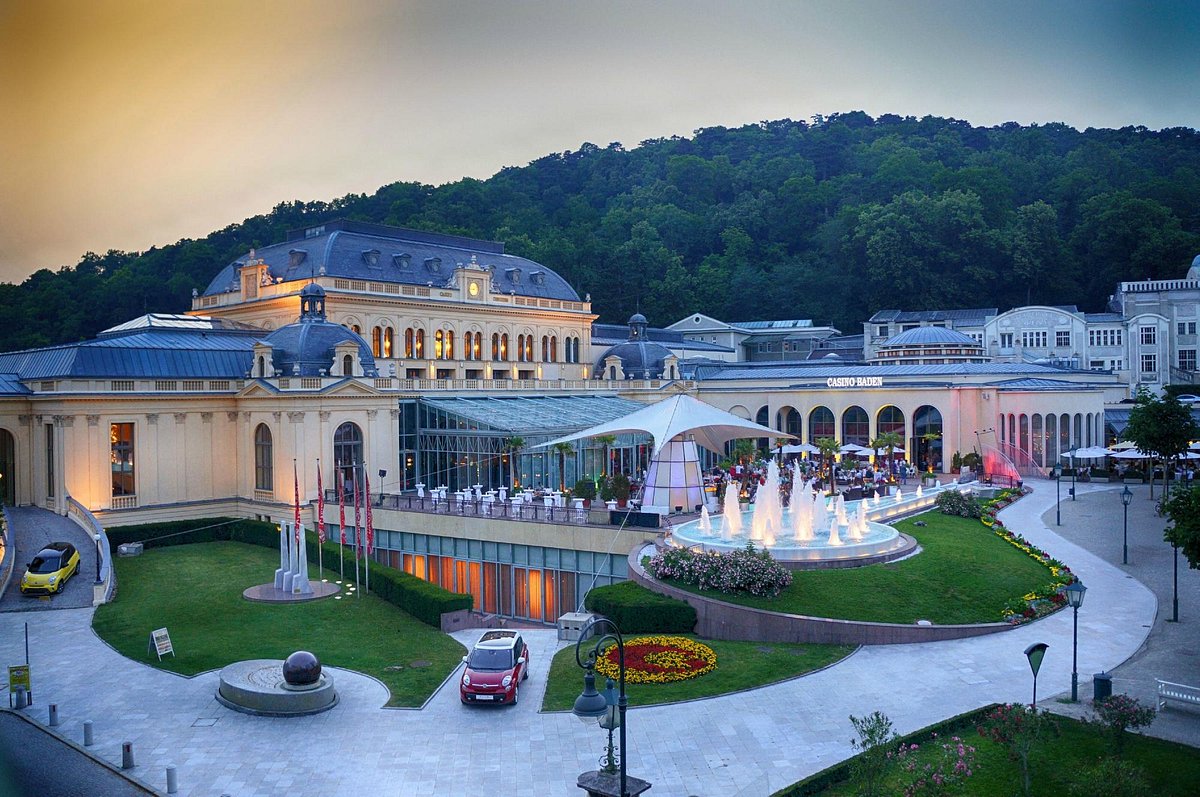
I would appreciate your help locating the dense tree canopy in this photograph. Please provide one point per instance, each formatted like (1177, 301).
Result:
(831, 219)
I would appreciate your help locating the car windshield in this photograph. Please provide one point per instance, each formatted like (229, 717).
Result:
(44, 564)
(491, 659)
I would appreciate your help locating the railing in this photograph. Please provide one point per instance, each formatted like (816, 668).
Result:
(78, 513)
(264, 495)
(1021, 461)
(124, 501)
(8, 551)
(500, 510)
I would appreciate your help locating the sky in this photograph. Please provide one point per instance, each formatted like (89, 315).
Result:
(126, 125)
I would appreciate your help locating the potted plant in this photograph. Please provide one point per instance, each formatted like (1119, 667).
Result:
(585, 489)
(619, 484)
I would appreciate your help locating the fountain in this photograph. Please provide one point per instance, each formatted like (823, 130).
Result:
(813, 531)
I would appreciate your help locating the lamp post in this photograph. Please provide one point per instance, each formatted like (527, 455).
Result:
(1175, 594)
(1074, 467)
(99, 556)
(1075, 591)
(1126, 498)
(592, 705)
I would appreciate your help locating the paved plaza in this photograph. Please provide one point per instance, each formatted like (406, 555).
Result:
(751, 743)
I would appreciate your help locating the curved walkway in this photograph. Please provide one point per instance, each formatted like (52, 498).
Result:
(746, 744)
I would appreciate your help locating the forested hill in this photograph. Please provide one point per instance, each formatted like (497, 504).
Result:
(831, 220)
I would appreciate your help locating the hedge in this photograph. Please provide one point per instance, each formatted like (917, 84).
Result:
(840, 773)
(637, 610)
(424, 600)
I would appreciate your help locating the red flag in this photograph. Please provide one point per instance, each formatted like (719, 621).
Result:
(320, 507)
(370, 528)
(341, 504)
(296, 480)
(357, 547)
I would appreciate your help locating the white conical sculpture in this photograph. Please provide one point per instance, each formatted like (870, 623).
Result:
(300, 585)
(285, 558)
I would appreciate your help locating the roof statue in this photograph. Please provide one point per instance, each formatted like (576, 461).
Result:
(679, 416)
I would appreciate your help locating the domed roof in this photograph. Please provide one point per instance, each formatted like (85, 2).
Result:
(1194, 271)
(640, 358)
(306, 348)
(930, 336)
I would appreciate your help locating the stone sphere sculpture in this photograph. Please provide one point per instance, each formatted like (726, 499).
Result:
(301, 669)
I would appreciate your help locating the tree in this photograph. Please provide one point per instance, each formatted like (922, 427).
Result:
(562, 449)
(1183, 508)
(1161, 427)
(929, 438)
(512, 445)
(829, 448)
(889, 441)
(607, 441)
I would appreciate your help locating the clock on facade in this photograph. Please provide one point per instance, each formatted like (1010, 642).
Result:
(473, 289)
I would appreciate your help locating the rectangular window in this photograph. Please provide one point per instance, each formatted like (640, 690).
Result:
(1096, 365)
(49, 460)
(120, 438)
(1034, 339)
(1187, 359)
(881, 331)
(1006, 340)
(1149, 336)
(1062, 339)
(1149, 364)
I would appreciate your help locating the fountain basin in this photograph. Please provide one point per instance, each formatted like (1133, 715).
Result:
(257, 686)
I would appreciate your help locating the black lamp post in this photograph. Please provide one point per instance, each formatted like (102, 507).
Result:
(99, 556)
(1175, 595)
(592, 705)
(1075, 591)
(1126, 499)
(1074, 467)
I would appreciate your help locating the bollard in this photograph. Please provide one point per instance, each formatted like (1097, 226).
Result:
(87, 734)
(20, 697)
(172, 780)
(53, 714)
(127, 755)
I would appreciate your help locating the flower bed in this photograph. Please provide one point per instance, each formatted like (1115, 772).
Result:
(658, 660)
(744, 570)
(1045, 599)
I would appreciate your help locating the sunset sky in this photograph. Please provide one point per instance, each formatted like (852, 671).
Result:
(125, 125)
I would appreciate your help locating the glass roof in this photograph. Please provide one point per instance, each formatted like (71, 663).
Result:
(537, 414)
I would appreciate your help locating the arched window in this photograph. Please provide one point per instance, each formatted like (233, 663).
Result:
(376, 341)
(356, 329)
(521, 348)
(927, 437)
(438, 351)
(545, 349)
(419, 348)
(1051, 438)
(408, 342)
(821, 423)
(388, 339)
(264, 458)
(1037, 444)
(856, 426)
(262, 366)
(495, 346)
(890, 419)
(348, 452)
(477, 347)
(448, 349)
(8, 468)
(553, 348)
(347, 366)
(504, 346)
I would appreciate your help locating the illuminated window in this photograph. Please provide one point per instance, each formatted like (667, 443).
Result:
(263, 458)
(388, 335)
(120, 437)
(419, 348)
(376, 341)
(408, 342)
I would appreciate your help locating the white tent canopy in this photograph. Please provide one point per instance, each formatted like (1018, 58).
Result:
(679, 415)
(802, 448)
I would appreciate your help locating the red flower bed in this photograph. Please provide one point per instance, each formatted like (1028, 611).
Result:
(658, 659)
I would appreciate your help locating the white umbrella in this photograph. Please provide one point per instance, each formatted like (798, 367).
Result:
(1092, 452)
(853, 448)
(1131, 454)
(802, 448)
(1125, 446)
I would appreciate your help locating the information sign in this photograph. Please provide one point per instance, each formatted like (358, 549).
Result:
(160, 643)
(18, 678)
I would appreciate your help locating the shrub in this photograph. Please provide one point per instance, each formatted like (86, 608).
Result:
(744, 570)
(637, 610)
(1111, 777)
(869, 767)
(949, 766)
(1119, 712)
(953, 502)
(424, 600)
(1018, 728)
(585, 489)
(619, 484)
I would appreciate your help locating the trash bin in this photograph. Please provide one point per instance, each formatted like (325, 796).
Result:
(1101, 686)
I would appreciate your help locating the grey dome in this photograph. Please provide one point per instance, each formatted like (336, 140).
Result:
(930, 336)
(640, 358)
(306, 348)
(1194, 271)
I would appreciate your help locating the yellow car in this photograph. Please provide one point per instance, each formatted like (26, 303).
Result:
(50, 569)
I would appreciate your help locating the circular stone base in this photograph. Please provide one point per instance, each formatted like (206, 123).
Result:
(266, 593)
(257, 687)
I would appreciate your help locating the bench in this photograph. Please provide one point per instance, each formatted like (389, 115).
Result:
(1180, 693)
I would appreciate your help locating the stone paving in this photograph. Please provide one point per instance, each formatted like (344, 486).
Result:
(37, 527)
(751, 743)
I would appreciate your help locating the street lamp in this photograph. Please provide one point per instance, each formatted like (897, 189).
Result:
(99, 556)
(1075, 591)
(1126, 498)
(592, 705)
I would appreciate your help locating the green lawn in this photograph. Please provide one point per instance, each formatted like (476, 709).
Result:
(195, 591)
(1172, 770)
(964, 574)
(740, 665)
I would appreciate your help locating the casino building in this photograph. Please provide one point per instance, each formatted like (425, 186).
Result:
(427, 358)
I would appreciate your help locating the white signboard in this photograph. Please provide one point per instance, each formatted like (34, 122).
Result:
(854, 381)
(160, 643)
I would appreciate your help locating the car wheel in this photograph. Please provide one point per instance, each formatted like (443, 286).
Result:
(525, 675)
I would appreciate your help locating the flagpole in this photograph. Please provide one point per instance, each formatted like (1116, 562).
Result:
(296, 482)
(367, 558)
(320, 524)
(357, 534)
(341, 491)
